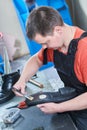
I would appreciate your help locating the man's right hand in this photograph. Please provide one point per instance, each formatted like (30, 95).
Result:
(19, 85)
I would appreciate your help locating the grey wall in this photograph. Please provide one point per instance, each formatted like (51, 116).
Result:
(78, 10)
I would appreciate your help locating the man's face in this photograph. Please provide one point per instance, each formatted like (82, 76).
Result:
(50, 41)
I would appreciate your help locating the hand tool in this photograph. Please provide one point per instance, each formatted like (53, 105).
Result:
(24, 95)
(36, 83)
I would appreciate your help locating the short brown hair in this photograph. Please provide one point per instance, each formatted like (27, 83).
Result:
(42, 20)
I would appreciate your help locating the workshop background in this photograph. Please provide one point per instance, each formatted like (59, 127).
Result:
(17, 48)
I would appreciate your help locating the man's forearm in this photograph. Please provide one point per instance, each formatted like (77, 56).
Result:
(77, 103)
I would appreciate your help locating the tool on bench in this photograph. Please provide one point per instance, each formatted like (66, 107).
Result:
(10, 116)
(36, 83)
(24, 95)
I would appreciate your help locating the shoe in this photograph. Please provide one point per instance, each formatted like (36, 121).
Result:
(8, 80)
(62, 95)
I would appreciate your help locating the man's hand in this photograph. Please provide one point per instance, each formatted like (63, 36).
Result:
(19, 86)
(49, 108)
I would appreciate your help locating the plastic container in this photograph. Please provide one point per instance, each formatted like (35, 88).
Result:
(1, 65)
(59, 5)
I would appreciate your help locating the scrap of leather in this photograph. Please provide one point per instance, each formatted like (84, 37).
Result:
(22, 105)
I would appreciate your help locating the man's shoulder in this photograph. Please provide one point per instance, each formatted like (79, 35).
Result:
(78, 32)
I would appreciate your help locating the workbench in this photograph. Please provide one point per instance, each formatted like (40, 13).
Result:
(34, 119)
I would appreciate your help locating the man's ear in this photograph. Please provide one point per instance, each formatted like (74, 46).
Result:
(58, 30)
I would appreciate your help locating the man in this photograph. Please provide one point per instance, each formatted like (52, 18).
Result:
(66, 46)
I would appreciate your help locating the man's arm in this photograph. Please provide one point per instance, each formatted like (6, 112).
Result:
(30, 68)
(77, 103)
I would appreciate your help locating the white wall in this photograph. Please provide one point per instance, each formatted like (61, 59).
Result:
(9, 24)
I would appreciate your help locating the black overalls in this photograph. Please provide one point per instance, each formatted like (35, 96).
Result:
(64, 65)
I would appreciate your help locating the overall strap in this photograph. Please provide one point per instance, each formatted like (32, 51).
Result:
(45, 57)
(83, 35)
(74, 43)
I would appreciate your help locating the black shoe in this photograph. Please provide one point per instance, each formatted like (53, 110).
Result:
(9, 80)
(6, 89)
(62, 95)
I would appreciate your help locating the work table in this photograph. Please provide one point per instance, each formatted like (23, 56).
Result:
(33, 118)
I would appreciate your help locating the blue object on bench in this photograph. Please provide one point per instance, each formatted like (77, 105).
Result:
(22, 12)
(1, 65)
